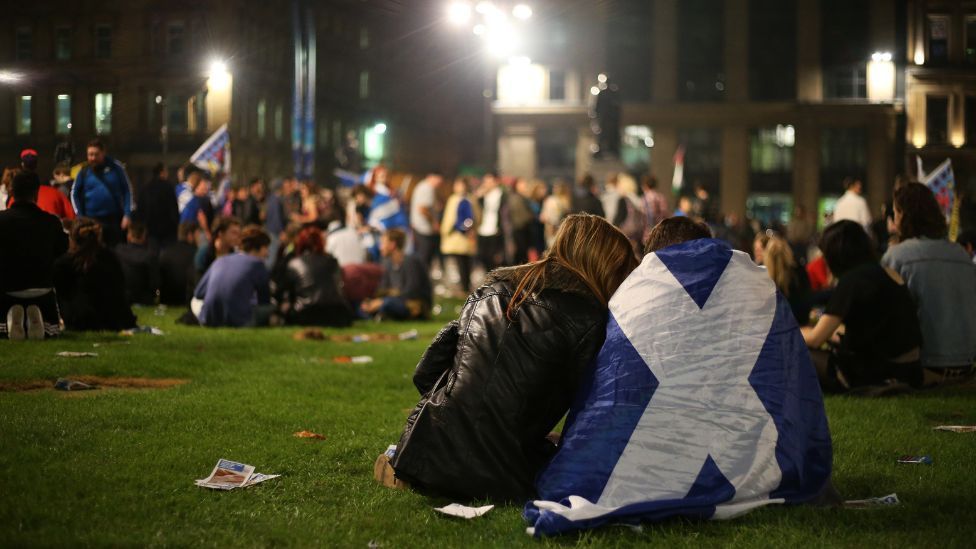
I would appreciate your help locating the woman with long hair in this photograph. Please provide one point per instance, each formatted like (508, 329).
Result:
(496, 381)
(880, 337)
(90, 283)
(776, 254)
(310, 288)
(942, 280)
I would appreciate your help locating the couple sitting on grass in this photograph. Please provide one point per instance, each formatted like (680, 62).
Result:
(689, 388)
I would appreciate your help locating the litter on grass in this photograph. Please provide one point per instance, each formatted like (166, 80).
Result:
(873, 503)
(923, 460)
(65, 384)
(409, 335)
(463, 511)
(309, 334)
(352, 359)
(142, 330)
(956, 428)
(309, 434)
(230, 475)
(76, 354)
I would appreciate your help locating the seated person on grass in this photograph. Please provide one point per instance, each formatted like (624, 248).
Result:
(702, 402)
(405, 289)
(30, 242)
(90, 282)
(309, 290)
(176, 270)
(234, 290)
(225, 236)
(139, 265)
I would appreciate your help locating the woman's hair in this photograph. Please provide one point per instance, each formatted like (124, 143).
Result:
(846, 245)
(589, 247)
(86, 241)
(779, 262)
(8, 177)
(675, 230)
(253, 238)
(310, 240)
(920, 213)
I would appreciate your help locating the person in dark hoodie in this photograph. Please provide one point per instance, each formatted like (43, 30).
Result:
(495, 382)
(158, 210)
(139, 266)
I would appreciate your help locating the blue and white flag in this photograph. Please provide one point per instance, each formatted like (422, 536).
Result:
(942, 183)
(385, 211)
(214, 154)
(350, 179)
(703, 402)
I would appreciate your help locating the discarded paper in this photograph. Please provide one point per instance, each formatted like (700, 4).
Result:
(923, 460)
(463, 511)
(886, 501)
(309, 434)
(353, 359)
(65, 384)
(957, 428)
(228, 475)
(75, 354)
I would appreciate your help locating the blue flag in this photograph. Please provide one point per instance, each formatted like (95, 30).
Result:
(385, 211)
(214, 154)
(703, 401)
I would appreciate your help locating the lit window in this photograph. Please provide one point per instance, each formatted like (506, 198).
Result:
(23, 43)
(262, 118)
(103, 41)
(103, 113)
(62, 43)
(23, 115)
(279, 122)
(364, 84)
(63, 114)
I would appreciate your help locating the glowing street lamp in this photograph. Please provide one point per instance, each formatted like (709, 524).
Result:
(522, 11)
(218, 76)
(9, 77)
(881, 77)
(380, 128)
(459, 13)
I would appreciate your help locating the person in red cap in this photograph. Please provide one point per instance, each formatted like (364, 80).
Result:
(49, 199)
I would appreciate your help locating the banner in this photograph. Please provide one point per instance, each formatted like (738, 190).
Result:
(942, 183)
(214, 154)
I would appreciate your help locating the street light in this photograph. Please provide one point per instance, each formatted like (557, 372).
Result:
(881, 77)
(459, 13)
(522, 11)
(218, 76)
(9, 77)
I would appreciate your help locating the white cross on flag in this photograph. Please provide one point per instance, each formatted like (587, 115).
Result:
(702, 402)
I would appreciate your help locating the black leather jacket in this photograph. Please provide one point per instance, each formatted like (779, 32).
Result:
(493, 388)
(312, 289)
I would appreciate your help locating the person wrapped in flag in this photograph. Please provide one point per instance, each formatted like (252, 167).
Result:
(702, 402)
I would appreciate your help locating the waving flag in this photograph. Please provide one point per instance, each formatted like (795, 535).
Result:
(385, 211)
(702, 403)
(214, 154)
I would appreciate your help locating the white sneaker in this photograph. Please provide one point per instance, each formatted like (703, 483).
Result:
(15, 323)
(35, 323)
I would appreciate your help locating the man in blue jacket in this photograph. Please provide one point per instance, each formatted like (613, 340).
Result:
(103, 191)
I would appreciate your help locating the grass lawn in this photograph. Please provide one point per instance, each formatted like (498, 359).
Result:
(116, 466)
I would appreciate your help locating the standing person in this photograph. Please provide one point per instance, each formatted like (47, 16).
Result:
(5, 184)
(310, 289)
(90, 284)
(62, 181)
(585, 199)
(655, 204)
(423, 219)
(852, 206)
(30, 242)
(234, 291)
(176, 270)
(405, 291)
(497, 380)
(184, 191)
(251, 212)
(942, 279)
(48, 198)
(491, 239)
(458, 239)
(103, 192)
(614, 208)
(881, 338)
(276, 220)
(158, 209)
(555, 208)
(520, 216)
(200, 209)
(139, 265)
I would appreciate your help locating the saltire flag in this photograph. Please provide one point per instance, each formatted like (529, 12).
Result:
(677, 182)
(350, 179)
(702, 403)
(385, 211)
(942, 183)
(214, 154)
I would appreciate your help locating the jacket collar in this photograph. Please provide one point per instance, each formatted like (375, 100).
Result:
(557, 278)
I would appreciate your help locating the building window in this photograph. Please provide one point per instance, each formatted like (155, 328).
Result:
(772, 52)
(23, 44)
(23, 115)
(844, 48)
(701, 43)
(279, 122)
(62, 43)
(846, 82)
(557, 85)
(938, 33)
(63, 113)
(174, 38)
(363, 37)
(843, 153)
(103, 41)
(103, 113)
(771, 159)
(970, 120)
(936, 119)
(555, 150)
(262, 112)
(702, 160)
(177, 108)
(364, 84)
(971, 39)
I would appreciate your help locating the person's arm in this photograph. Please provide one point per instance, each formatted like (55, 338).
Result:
(437, 359)
(67, 210)
(818, 335)
(126, 195)
(202, 222)
(77, 199)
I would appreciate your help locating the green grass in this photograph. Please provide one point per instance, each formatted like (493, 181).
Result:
(116, 467)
